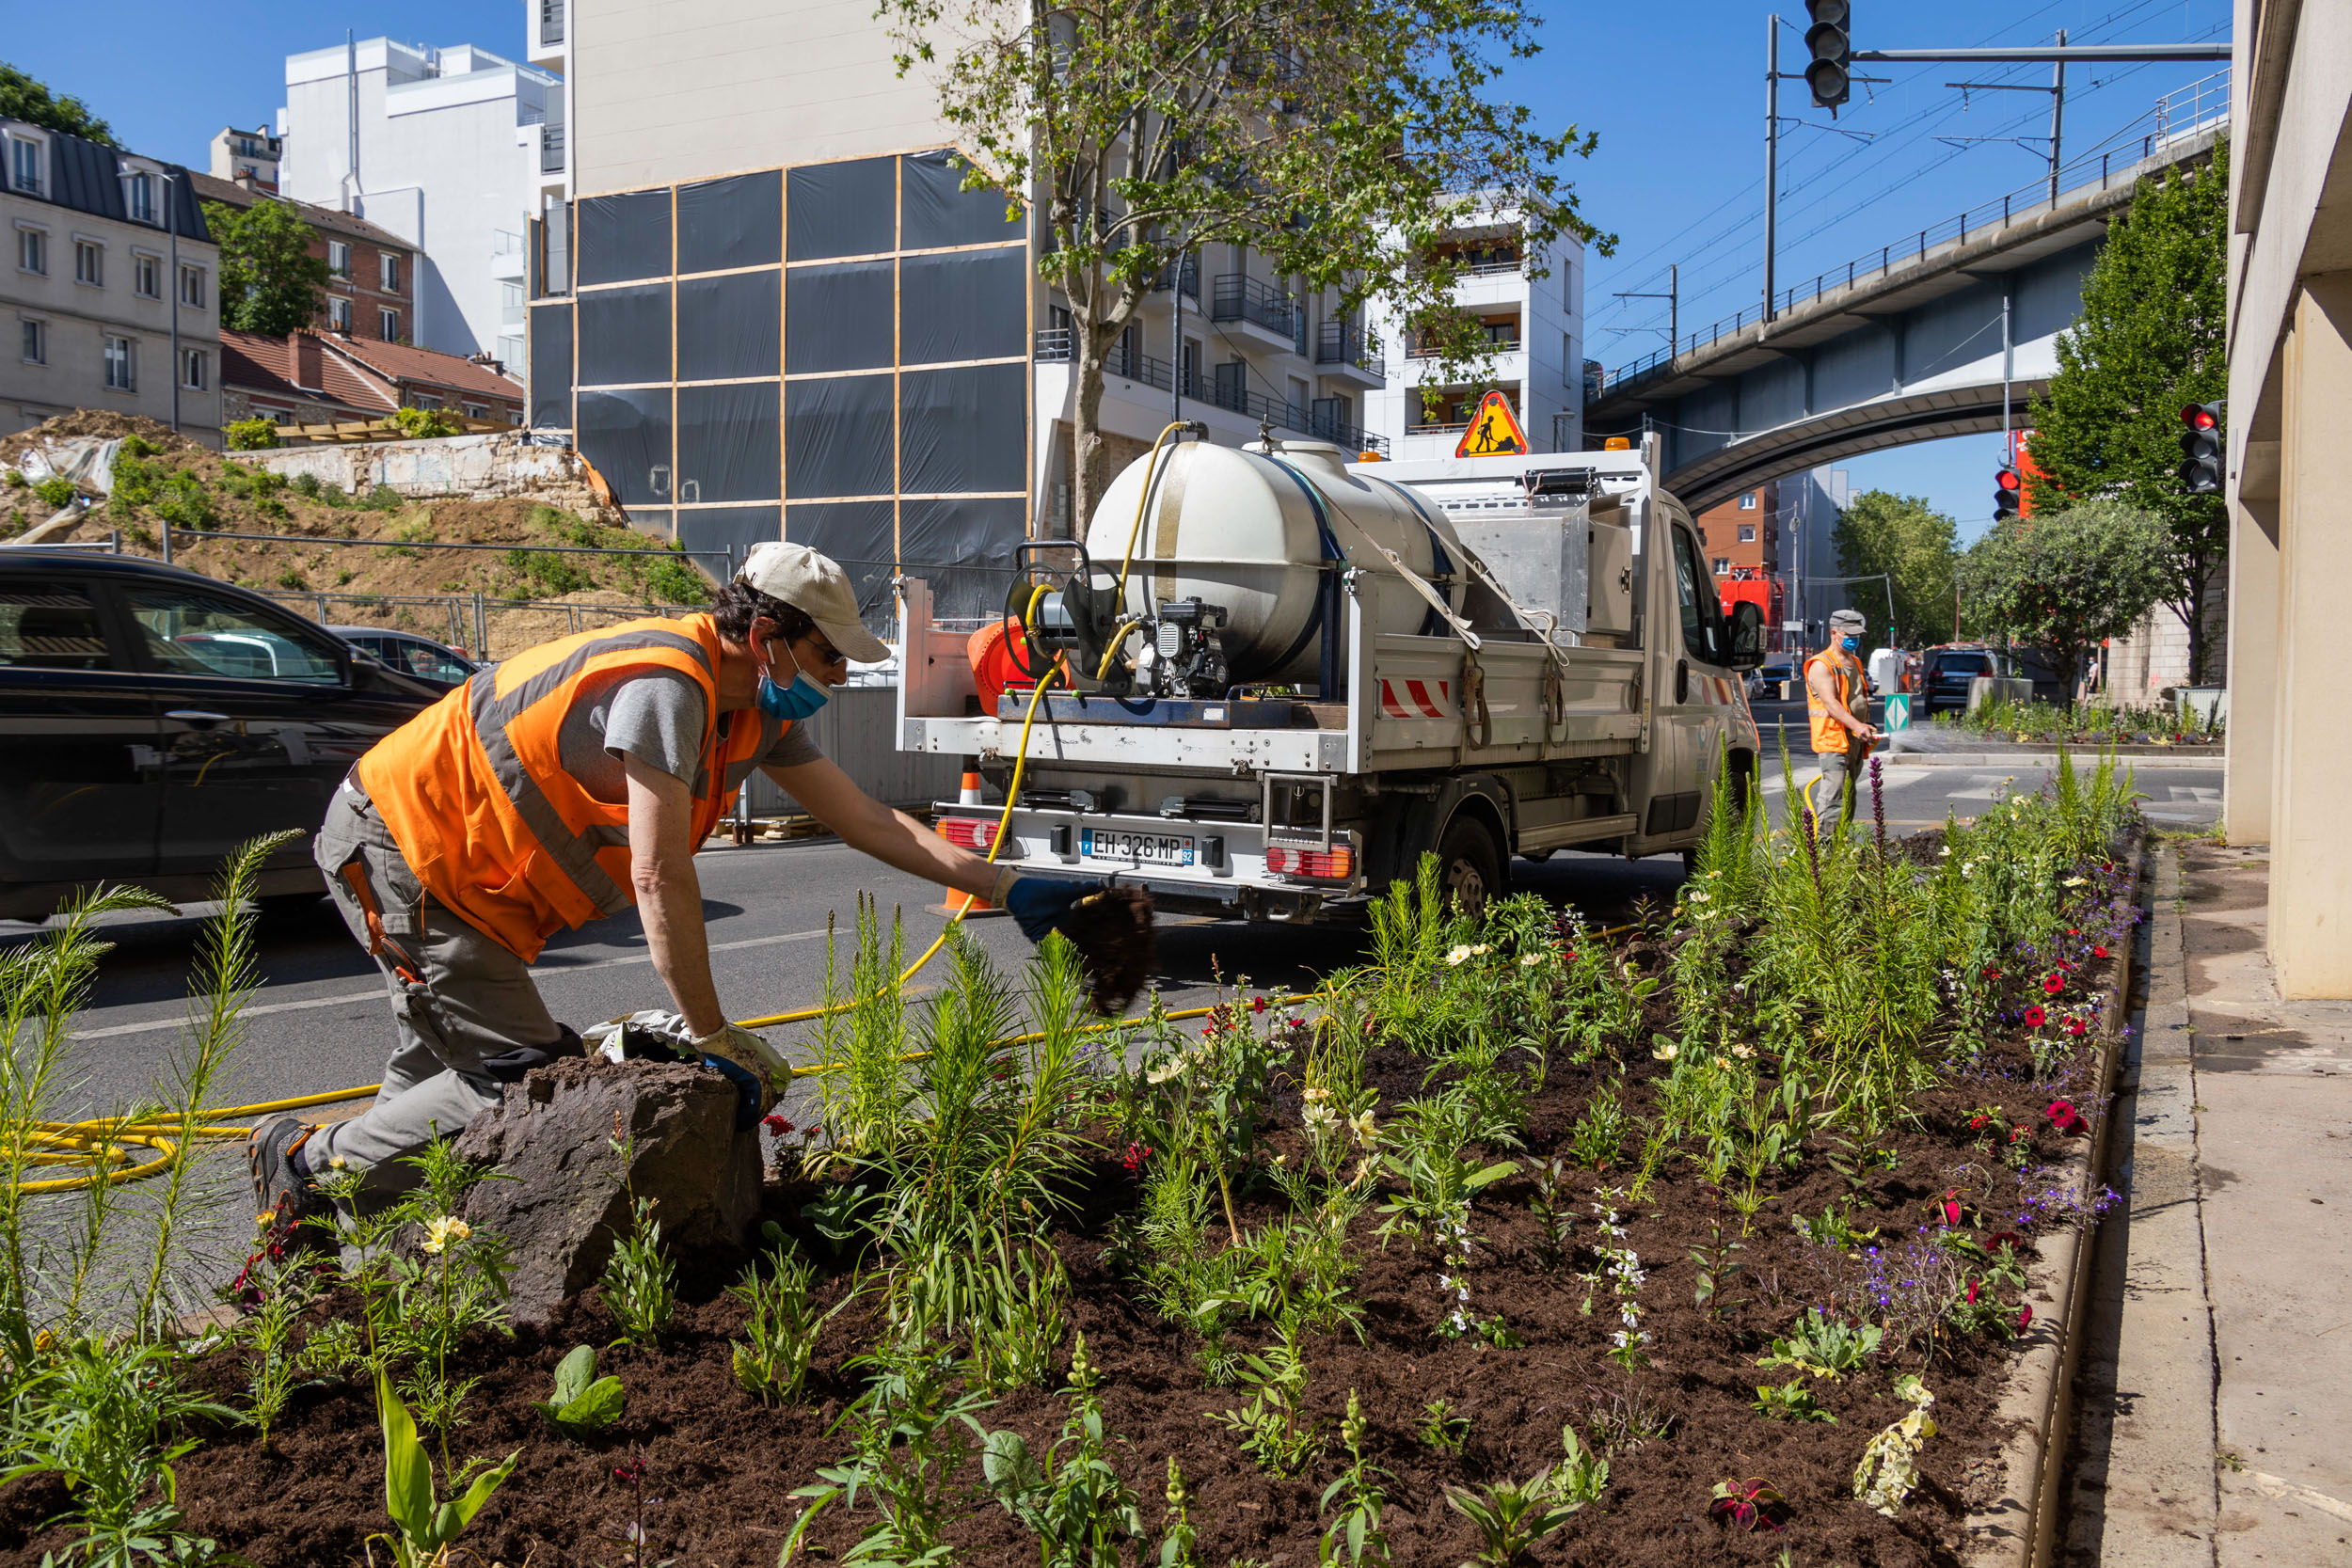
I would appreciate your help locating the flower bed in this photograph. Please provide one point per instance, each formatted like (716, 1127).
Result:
(1707, 1238)
(2088, 723)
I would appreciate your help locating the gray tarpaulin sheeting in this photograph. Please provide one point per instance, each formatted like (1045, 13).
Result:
(842, 209)
(726, 326)
(964, 305)
(551, 366)
(858, 534)
(963, 546)
(623, 237)
(736, 222)
(726, 442)
(733, 529)
(625, 336)
(962, 429)
(838, 318)
(626, 436)
(938, 213)
(838, 436)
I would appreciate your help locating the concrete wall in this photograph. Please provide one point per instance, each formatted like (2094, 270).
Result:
(2290, 468)
(665, 92)
(78, 316)
(478, 467)
(439, 166)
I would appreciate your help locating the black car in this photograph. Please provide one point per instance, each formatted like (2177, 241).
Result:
(1945, 681)
(153, 720)
(406, 652)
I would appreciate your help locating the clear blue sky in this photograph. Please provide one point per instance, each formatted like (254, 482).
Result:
(1674, 86)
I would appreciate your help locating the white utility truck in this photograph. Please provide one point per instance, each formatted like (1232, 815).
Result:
(1294, 675)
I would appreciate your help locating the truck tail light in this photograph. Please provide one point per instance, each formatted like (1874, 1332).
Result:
(1335, 865)
(975, 833)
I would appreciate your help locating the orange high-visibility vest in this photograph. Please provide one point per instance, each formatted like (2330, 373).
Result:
(1829, 735)
(474, 791)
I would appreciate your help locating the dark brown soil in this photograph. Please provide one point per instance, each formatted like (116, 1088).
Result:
(1114, 933)
(720, 1466)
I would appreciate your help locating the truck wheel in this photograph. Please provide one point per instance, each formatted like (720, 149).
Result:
(1468, 868)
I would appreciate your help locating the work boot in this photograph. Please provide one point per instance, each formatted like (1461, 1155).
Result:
(284, 1194)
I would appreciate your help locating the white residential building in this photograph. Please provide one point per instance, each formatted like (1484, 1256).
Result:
(1536, 327)
(442, 148)
(247, 158)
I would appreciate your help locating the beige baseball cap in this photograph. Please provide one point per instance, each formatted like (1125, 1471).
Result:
(816, 587)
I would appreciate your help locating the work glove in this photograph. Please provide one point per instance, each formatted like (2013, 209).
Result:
(1110, 926)
(757, 1069)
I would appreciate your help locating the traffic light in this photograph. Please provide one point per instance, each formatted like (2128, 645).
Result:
(2008, 488)
(2201, 449)
(1831, 73)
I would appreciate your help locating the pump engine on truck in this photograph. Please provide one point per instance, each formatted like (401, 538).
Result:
(1274, 679)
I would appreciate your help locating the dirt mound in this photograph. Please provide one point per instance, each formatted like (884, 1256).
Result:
(370, 560)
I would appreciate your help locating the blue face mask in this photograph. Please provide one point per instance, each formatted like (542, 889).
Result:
(791, 702)
(1852, 644)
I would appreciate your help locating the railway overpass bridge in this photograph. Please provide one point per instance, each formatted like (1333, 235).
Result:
(1906, 345)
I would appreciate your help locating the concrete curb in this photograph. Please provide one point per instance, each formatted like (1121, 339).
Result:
(2018, 1528)
(2156, 762)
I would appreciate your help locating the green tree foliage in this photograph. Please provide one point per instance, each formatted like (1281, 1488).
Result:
(1340, 140)
(23, 98)
(269, 281)
(1915, 544)
(2150, 342)
(2066, 579)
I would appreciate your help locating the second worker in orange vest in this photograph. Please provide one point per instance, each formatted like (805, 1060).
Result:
(562, 786)
(1837, 700)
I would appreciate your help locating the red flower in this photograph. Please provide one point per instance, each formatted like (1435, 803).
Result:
(2099, 952)
(1257, 1005)
(2035, 1017)
(2019, 1132)
(1569, 954)
(1976, 1124)
(2025, 1316)
(2074, 930)
(2066, 1118)
(1137, 1155)
(1972, 1292)
(1951, 1208)
(2077, 1027)
(631, 1472)
(2053, 984)
(776, 1123)
(1992, 973)
(2004, 1240)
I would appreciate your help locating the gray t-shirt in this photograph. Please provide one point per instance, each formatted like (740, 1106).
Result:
(657, 716)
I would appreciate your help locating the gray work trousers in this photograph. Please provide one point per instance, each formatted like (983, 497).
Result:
(466, 1019)
(1831, 795)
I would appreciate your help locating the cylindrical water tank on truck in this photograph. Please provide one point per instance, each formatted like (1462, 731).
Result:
(1254, 531)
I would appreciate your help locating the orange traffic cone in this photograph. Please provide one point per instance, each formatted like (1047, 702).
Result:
(967, 904)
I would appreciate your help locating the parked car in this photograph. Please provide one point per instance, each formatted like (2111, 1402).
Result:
(153, 720)
(1945, 673)
(412, 655)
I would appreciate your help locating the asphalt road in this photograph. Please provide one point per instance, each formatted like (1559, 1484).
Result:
(317, 1022)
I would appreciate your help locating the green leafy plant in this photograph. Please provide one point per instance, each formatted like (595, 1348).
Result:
(254, 435)
(56, 491)
(1177, 1540)
(1442, 1429)
(1354, 1535)
(1599, 1138)
(1890, 1465)
(1073, 1500)
(282, 1291)
(911, 1437)
(1510, 1516)
(638, 1283)
(1823, 1345)
(1582, 1475)
(425, 1524)
(1749, 1505)
(1793, 1400)
(583, 1402)
(781, 1325)
(1716, 1271)
(1272, 1428)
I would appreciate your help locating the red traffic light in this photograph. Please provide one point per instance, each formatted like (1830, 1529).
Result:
(2201, 416)
(2007, 479)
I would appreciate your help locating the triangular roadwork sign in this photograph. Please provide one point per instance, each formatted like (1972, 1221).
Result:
(1493, 432)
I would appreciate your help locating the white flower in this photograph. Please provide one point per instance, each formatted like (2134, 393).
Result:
(1698, 898)
(1946, 851)
(1362, 1124)
(1320, 1120)
(1315, 1096)
(1743, 1051)
(1166, 1070)
(1482, 950)
(1458, 954)
(1667, 1051)
(1531, 961)
(2077, 881)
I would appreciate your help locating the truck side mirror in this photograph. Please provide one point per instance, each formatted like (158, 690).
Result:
(1747, 635)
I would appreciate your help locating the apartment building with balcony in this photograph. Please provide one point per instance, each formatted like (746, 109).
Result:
(108, 287)
(439, 147)
(766, 307)
(1534, 326)
(370, 272)
(247, 157)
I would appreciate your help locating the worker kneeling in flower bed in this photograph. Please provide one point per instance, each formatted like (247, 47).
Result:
(564, 786)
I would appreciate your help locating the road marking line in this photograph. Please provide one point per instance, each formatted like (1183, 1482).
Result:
(374, 992)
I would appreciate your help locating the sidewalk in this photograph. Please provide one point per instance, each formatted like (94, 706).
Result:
(2214, 1402)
